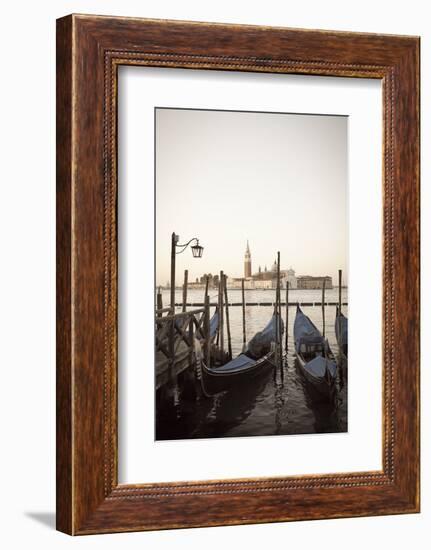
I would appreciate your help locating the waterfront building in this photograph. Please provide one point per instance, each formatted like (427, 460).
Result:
(236, 283)
(233, 282)
(265, 275)
(263, 278)
(307, 282)
(288, 277)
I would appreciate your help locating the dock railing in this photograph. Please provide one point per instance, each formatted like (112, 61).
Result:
(175, 335)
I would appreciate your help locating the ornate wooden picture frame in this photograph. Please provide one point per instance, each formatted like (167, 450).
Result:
(89, 51)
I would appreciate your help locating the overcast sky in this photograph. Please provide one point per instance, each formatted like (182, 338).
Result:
(278, 180)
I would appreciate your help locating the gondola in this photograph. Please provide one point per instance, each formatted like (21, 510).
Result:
(341, 326)
(315, 358)
(256, 360)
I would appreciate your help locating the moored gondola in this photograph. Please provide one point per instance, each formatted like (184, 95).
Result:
(255, 361)
(315, 358)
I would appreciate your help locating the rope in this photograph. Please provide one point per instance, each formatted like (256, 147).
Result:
(199, 373)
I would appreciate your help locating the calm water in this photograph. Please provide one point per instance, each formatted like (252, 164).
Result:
(277, 404)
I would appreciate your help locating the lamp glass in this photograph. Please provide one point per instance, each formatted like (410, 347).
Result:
(197, 251)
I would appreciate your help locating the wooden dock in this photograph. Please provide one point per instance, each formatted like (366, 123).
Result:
(175, 340)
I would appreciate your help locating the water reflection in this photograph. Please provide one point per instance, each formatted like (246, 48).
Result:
(279, 403)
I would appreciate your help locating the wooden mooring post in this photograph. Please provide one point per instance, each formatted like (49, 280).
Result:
(323, 308)
(287, 317)
(340, 276)
(191, 342)
(159, 302)
(229, 341)
(186, 279)
(221, 313)
(278, 311)
(243, 313)
(207, 350)
(171, 346)
(172, 283)
(206, 287)
(172, 304)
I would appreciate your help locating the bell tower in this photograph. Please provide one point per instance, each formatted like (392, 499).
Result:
(247, 262)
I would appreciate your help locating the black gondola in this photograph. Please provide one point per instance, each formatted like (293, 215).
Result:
(315, 358)
(341, 326)
(256, 360)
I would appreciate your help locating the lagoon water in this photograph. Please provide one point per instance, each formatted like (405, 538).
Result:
(278, 404)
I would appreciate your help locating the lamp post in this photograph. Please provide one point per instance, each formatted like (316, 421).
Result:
(197, 251)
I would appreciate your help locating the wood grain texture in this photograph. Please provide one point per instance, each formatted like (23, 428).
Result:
(90, 49)
(64, 497)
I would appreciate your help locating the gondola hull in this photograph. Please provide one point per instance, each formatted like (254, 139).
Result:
(215, 380)
(315, 358)
(257, 360)
(320, 386)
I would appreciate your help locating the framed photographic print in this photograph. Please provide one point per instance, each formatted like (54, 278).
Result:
(237, 274)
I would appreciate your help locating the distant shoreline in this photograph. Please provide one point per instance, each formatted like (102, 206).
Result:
(247, 289)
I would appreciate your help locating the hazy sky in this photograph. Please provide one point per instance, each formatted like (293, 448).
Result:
(278, 180)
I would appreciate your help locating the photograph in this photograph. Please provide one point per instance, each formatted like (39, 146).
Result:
(251, 273)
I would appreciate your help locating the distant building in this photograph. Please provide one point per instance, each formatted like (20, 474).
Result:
(288, 277)
(233, 282)
(266, 275)
(264, 278)
(202, 281)
(307, 282)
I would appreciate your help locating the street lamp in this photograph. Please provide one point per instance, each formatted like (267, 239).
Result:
(197, 251)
